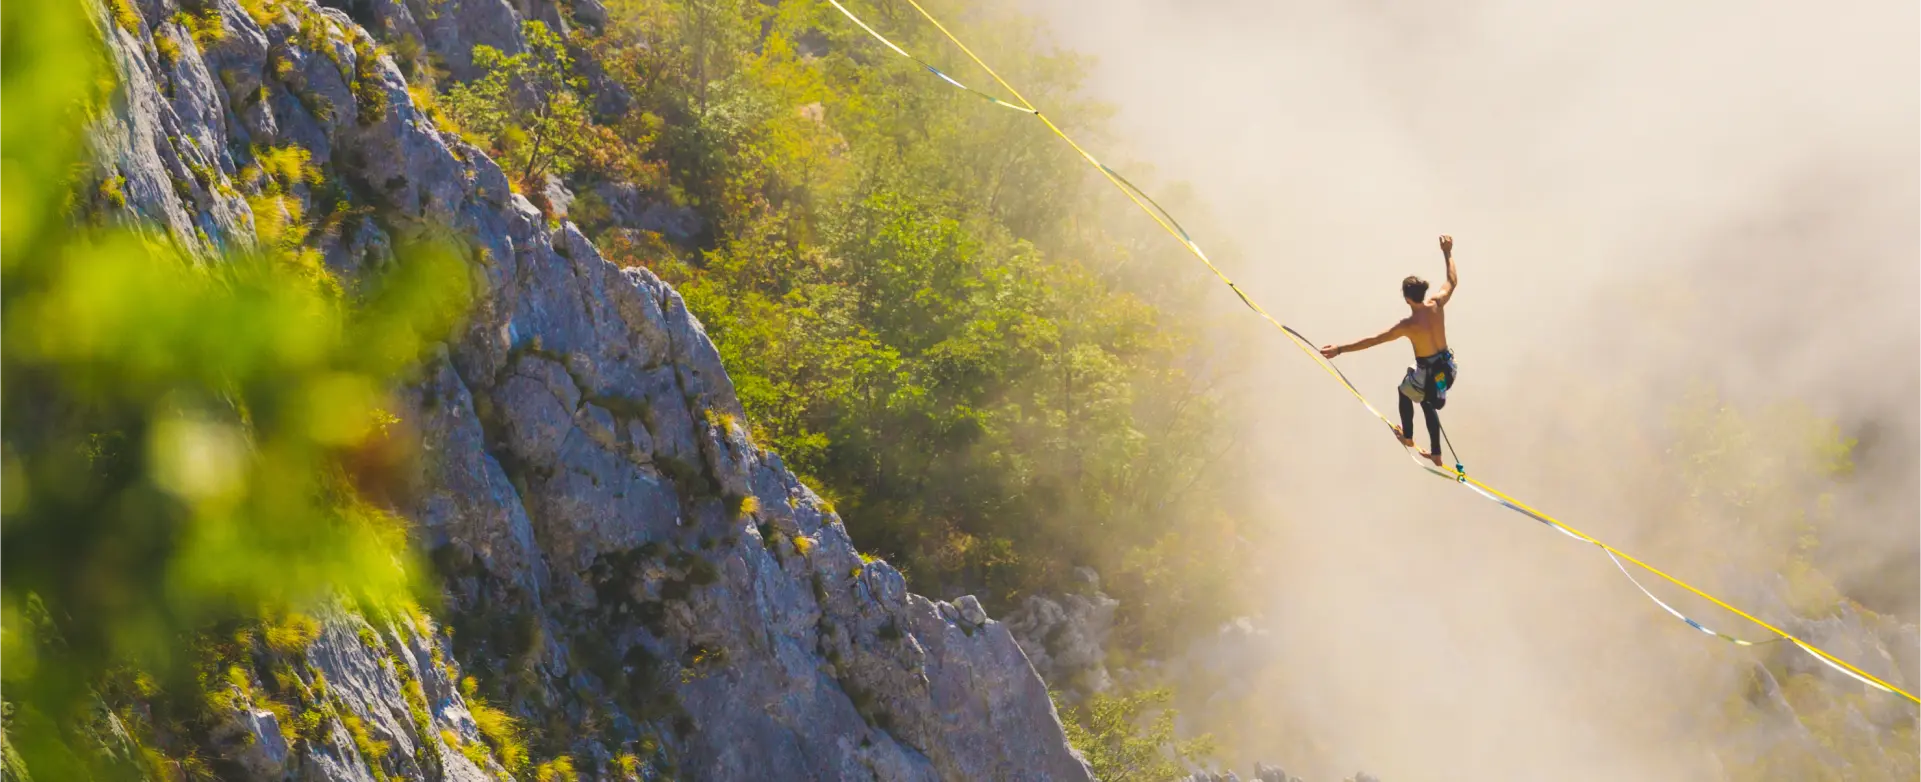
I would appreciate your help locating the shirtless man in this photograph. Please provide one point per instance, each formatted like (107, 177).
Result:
(1433, 373)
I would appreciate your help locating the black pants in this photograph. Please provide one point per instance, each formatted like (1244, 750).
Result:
(1427, 412)
(1429, 378)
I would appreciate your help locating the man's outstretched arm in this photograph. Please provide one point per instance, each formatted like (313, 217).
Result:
(1453, 279)
(1330, 351)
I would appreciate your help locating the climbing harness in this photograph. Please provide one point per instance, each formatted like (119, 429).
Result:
(1459, 473)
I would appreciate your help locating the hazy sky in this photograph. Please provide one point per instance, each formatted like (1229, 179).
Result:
(1641, 193)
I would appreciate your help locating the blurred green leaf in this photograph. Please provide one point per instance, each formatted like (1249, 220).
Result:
(183, 439)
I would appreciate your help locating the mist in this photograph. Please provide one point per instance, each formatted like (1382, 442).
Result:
(1642, 196)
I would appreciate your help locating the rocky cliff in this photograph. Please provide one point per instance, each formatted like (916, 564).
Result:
(625, 571)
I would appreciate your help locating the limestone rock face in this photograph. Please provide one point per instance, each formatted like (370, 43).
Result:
(625, 571)
(1066, 636)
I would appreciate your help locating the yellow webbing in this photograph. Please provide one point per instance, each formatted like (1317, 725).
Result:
(1141, 200)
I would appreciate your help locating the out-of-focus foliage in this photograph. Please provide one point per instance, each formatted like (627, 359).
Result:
(927, 308)
(187, 440)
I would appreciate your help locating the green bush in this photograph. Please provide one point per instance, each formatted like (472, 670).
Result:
(1108, 730)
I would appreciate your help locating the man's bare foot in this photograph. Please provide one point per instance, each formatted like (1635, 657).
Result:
(1406, 441)
(1432, 457)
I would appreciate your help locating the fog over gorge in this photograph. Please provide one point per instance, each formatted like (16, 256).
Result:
(1647, 200)
(562, 390)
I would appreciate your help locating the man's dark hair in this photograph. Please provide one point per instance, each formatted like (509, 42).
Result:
(1414, 288)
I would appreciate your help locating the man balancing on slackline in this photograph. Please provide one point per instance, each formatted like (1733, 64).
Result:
(1433, 373)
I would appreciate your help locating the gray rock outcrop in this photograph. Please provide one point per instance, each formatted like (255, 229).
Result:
(1066, 636)
(625, 570)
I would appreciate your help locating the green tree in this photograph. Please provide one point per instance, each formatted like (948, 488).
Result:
(528, 106)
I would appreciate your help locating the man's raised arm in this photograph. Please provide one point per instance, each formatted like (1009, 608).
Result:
(1394, 331)
(1453, 279)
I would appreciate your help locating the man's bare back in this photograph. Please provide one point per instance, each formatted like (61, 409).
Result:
(1425, 327)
